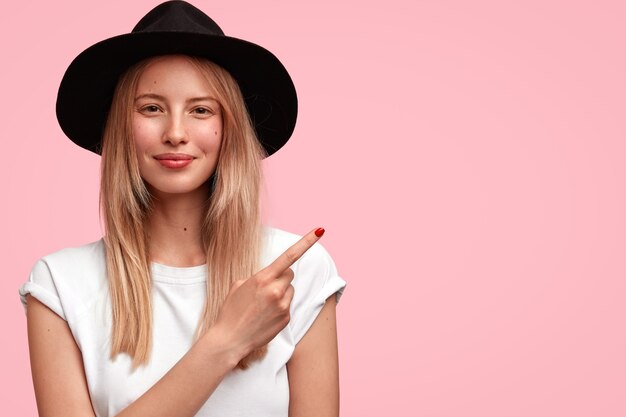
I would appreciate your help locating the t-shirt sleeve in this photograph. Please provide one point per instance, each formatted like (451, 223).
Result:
(315, 279)
(41, 286)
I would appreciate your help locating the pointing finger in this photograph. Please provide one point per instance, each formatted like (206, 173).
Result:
(291, 255)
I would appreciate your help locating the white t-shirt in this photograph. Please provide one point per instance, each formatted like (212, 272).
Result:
(72, 283)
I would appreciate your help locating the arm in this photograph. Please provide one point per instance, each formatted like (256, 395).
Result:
(254, 312)
(61, 387)
(186, 387)
(56, 364)
(314, 370)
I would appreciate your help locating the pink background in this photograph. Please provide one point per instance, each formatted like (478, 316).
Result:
(466, 159)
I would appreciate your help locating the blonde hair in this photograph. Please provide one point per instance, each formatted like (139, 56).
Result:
(231, 229)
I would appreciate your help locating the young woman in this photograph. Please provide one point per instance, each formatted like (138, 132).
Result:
(187, 306)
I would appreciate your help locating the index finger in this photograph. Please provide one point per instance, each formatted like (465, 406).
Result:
(291, 255)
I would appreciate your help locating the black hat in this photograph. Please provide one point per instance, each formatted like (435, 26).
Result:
(176, 27)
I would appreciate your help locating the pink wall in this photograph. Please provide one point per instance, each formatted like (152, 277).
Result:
(466, 159)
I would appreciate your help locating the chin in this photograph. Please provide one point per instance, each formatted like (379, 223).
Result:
(179, 189)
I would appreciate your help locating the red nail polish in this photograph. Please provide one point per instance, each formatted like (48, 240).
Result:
(319, 232)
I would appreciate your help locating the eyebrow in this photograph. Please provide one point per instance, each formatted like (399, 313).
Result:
(160, 97)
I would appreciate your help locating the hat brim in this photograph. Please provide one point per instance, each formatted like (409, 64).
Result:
(87, 88)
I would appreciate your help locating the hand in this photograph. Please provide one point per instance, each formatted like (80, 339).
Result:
(257, 309)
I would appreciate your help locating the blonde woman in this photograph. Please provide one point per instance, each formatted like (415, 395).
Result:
(187, 306)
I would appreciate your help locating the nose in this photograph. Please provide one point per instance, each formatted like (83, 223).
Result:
(175, 132)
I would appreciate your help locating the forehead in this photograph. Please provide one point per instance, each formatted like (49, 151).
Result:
(174, 74)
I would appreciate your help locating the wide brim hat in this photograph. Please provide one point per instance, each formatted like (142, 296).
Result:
(176, 27)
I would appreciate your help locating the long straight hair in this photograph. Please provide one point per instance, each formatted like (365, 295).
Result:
(231, 229)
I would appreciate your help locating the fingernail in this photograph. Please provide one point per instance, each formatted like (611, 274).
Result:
(319, 232)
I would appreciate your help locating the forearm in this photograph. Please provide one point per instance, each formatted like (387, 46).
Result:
(186, 387)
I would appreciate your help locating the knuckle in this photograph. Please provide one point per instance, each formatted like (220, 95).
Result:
(292, 255)
(284, 306)
(276, 293)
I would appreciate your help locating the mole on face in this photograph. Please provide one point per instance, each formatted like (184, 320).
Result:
(216, 132)
(185, 229)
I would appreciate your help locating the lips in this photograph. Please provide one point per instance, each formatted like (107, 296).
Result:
(174, 160)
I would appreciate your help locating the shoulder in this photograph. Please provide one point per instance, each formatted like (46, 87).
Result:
(68, 279)
(66, 262)
(77, 268)
(73, 257)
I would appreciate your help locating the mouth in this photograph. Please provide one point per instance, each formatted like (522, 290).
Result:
(173, 156)
(174, 160)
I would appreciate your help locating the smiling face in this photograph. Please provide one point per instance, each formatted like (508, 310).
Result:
(176, 126)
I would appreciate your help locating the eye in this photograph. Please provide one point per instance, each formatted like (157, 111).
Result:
(150, 108)
(202, 111)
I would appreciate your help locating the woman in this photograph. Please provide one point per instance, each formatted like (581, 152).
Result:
(187, 306)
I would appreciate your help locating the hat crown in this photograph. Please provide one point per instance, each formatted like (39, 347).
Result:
(177, 16)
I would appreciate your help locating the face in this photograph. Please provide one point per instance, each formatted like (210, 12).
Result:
(177, 127)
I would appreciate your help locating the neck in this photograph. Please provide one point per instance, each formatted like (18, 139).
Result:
(174, 228)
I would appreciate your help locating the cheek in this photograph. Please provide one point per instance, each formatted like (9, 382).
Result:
(210, 136)
(141, 135)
